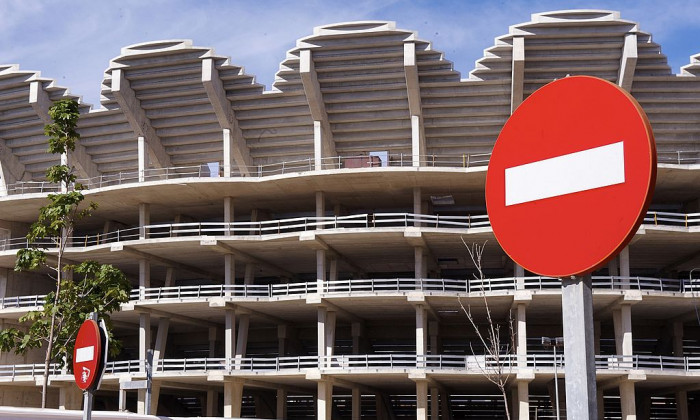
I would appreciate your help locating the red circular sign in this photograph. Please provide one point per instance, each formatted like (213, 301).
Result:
(571, 176)
(87, 355)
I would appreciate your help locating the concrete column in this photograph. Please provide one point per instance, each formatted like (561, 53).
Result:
(417, 143)
(70, 398)
(627, 402)
(143, 158)
(434, 329)
(155, 395)
(601, 404)
(212, 341)
(420, 269)
(320, 207)
(421, 400)
(228, 214)
(229, 336)
(144, 219)
(417, 204)
(242, 340)
(228, 148)
(282, 335)
(122, 400)
(330, 332)
(356, 404)
(519, 274)
(523, 405)
(4, 272)
(233, 398)
(622, 320)
(169, 277)
(249, 276)
(682, 405)
(281, 400)
(581, 397)
(212, 397)
(144, 338)
(333, 270)
(521, 330)
(678, 338)
(596, 336)
(324, 400)
(144, 277)
(356, 328)
(161, 341)
(625, 262)
(434, 403)
(320, 270)
(229, 271)
(321, 333)
(318, 146)
(421, 330)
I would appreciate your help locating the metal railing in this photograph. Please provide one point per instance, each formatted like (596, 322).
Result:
(681, 157)
(301, 224)
(507, 363)
(380, 286)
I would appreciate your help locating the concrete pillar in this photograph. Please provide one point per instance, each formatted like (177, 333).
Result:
(596, 336)
(4, 272)
(249, 276)
(144, 219)
(242, 340)
(678, 338)
(228, 148)
(356, 328)
(421, 330)
(281, 402)
(228, 214)
(420, 270)
(144, 277)
(333, 270)
(519, 274)
(421, 400)
(318, 146)
(212, 397)
(229, 336)
(320, 208)
(523, 405)
(521, 330)
(161, 341)
(233, 398)
(622, 321)
(229, 272)
(70, 398)
(169, 277)
(212, 341)
(434, 403)
(321, 334)
(434, 329)
(601, 404)
(320, 270)
(330, 332)
(282, 335)
(142, 157)
(614, 266)
(155, 395)
(682, 405)
(144, 338)
(417, 143)
(356, 404)
(627, 401)
(417, 204)
(122, 400)
(625, 262)
(324, 400)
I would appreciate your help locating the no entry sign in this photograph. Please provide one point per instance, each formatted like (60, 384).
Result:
(88, 356)
(571, 176)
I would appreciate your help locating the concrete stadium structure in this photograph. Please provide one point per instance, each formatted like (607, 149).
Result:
(298, 253)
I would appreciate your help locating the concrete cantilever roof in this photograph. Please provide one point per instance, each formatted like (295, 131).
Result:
(364, 83)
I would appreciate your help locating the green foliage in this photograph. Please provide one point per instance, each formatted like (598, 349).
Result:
(62, 132)
(96, 287)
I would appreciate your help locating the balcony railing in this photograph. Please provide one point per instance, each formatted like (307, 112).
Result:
(302, 224)
(379, 287)
(683, 157)
(476, 364)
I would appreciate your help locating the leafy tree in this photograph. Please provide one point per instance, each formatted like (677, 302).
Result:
(80, 289)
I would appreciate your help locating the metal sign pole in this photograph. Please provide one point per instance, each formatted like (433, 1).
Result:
(579, 354)
(87, 405)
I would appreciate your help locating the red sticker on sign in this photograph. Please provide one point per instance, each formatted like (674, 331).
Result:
(571, 176)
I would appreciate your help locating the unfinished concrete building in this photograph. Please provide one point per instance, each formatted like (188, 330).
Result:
(298, 252)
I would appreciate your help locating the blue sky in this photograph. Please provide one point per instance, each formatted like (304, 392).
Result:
(72, 41)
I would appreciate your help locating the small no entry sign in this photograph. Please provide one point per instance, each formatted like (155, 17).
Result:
(571, 176)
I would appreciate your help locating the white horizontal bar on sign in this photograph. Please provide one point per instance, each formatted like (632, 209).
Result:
(84, 354)
(580, 171)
